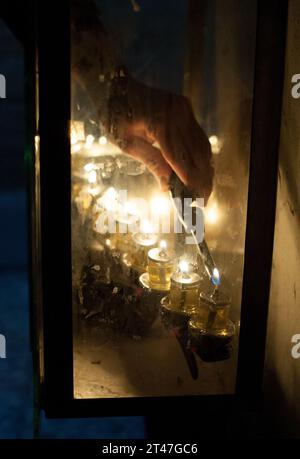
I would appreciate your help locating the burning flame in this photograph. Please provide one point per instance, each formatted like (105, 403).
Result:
(163, 244)
(216, 278)
(103, 140)
(184, 266)
(146, 227)
(211, 214)
(215, 144)
(160, 205)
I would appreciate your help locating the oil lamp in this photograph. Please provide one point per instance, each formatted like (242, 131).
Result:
(210, 328)
(184, 292)
(160, 267)
(143, 241)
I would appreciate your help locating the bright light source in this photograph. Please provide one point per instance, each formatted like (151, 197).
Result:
(103, 140)
(146, 227)
(89, 167)
(215, 144)
(216, 276)
(184, 266)
(163, 244)
(211, 214)
(160, 205)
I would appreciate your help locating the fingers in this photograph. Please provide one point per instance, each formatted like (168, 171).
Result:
(151, 156)
(186, 148)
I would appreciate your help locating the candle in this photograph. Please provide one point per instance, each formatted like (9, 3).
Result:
(146, 238)
(143, 242)
(213, 311)
(210, 329)
(160, 267)
(184, 294)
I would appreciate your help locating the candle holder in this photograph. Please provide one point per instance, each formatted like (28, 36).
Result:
(142, 244)
(160, 267)
(211, 331)
(184, 293)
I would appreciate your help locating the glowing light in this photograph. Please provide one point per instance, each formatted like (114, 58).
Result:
(211, 214)
(146, 227)
(213, 140)
(215, 144)
(160, 205)
(163, 244)
(89, 167)
(215, 278)
(89, 141)
(103, 140)
(108, 242)
(184, 266)
(92, 177)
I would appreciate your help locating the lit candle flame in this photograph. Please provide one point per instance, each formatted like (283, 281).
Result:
(160, 205)
(184, 266)
(89, 167)
(211, 213)
(146, 227)
(103, 140)
(163, 244)
(215, 144)
(216, 278)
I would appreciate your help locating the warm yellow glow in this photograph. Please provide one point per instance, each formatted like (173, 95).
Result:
(89, 167)
(103, 140)
(146, 227)
(211, 213)
(160, 205)
(92, 177)
(215, 144)
(108, 242)
(184, 266)
(163, 244)
(213, 140)
(89, 141)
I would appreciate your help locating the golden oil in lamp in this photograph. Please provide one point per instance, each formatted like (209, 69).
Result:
(160, 267)
(184, 292)
(143, 241)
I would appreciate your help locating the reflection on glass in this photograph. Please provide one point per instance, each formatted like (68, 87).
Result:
(141, 294)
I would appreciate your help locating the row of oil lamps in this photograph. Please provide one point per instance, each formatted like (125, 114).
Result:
(159, 271)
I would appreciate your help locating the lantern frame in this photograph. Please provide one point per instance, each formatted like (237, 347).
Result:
(49, 83)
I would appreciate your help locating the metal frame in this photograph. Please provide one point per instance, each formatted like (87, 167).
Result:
(53, 128)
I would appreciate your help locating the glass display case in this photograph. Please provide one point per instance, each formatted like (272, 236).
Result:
(153, 202)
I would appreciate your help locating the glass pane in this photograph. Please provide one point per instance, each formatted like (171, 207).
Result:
(156, 306)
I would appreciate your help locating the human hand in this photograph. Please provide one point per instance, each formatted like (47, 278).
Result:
(162, 132)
